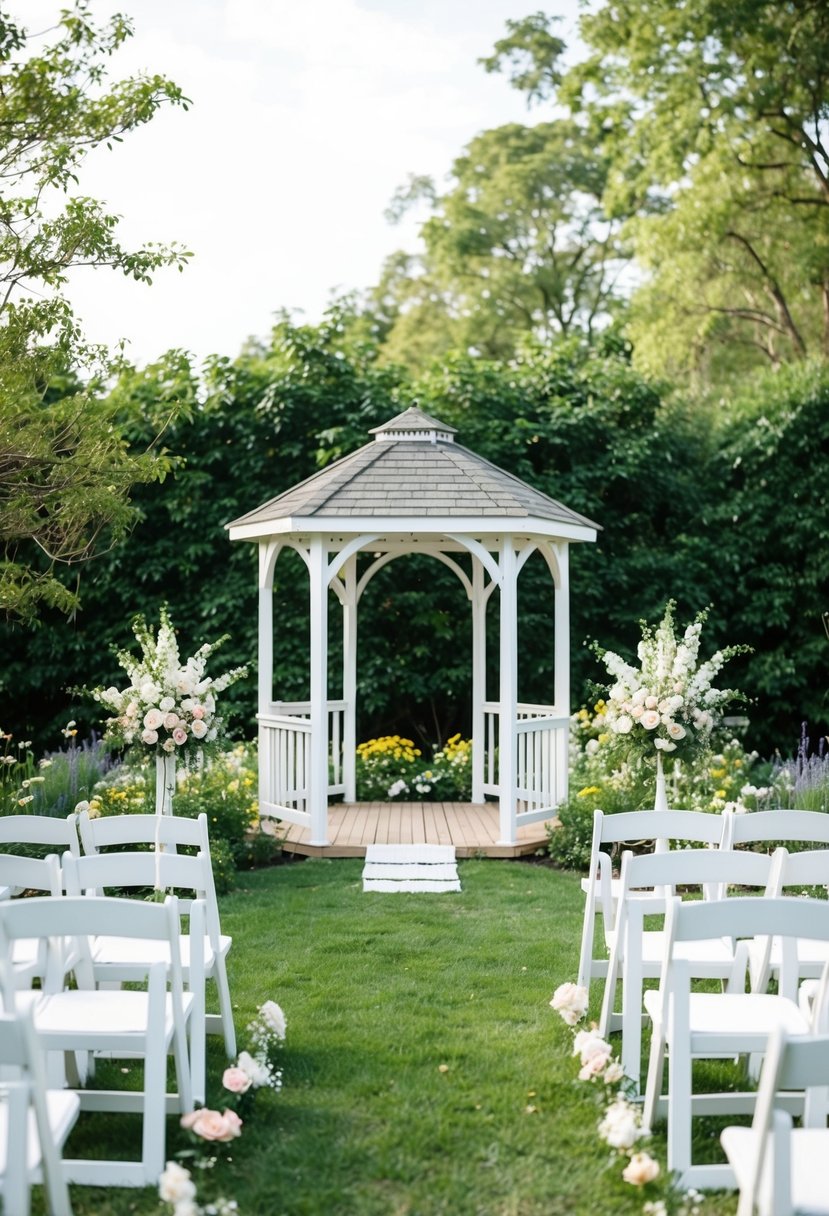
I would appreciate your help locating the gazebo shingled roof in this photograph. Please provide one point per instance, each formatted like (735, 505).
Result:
(413, 467)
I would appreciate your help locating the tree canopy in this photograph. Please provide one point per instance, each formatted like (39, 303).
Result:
(713, 121)
(65, 467)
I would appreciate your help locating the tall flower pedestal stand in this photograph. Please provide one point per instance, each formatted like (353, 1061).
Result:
(661, 800)
(165, 782)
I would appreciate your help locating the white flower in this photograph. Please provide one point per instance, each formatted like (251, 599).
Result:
(175, 1185)
(149, 737)
(570, 1002)
(166, 704)
(198, 728)
(664, 745)
(675, 729)
(591, 747)
(623, 724)
(613, 1073)
(273, 1017)
(257, 1070)
(651, 702)
(150, 692)
(650, 718)
(620, 1127)
(153, 719)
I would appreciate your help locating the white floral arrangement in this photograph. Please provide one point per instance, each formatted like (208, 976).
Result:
(170, 703)
(669, 703)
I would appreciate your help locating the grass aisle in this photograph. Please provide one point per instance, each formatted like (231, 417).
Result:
(424, 1072)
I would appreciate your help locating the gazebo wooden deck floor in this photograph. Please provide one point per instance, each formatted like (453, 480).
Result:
(471, 827)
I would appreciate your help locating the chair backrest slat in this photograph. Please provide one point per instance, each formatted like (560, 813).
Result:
(61, 833)
(802, 826)
(119, 831)
(696, 867)
(698, 826)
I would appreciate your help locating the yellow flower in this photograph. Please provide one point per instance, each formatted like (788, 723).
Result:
(719, 793)
(588, 790)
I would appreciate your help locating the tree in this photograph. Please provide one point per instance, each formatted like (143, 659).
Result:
(65, 467)
(714, 119)
(518, 245)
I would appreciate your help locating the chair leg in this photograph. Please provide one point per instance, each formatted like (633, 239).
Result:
(155, 1109)
(225, 1007)
(587, 932)
(656, 1069)
(609, 994)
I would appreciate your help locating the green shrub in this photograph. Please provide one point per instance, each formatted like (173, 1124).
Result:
(569, 842)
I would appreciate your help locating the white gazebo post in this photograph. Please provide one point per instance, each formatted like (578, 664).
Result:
(479, 601)
(318, 757)
(508, 696)
(561, 675)
(350, 679)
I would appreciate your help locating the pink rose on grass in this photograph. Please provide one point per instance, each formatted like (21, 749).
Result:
(149, 737)
(211, 1125)
(179, 736)
(641, 1169)
(236, 1080)
(153, 718)
(570, 1002)
(198, 728)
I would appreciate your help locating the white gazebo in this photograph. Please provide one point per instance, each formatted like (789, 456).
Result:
(413, 489)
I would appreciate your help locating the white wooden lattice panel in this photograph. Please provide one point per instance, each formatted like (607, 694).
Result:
(410, 868)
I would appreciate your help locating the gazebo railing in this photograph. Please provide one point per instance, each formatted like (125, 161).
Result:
(284, 758)
(542, 758)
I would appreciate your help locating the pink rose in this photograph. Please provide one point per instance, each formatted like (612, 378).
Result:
(179, 736)
(211, 1125)
(171, 721)
(641, 1169)
(198, 711)
(236, 1080)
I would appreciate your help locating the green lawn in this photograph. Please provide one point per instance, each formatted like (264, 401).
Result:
(424, 1072)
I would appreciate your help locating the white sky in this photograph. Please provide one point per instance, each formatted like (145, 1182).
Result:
(306, 116)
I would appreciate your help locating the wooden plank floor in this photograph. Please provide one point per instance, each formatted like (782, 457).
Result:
(471, 827)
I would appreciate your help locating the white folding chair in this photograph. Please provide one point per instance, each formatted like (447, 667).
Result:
(637, 954)
(149, 1023)
(116, 960)
(602, 890)
(689, 1025)
(167, 833)
(781, 1171)
(34, 1122)
(758, 827)
(807, 869)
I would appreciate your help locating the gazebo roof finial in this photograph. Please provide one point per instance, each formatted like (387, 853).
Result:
(414, 423)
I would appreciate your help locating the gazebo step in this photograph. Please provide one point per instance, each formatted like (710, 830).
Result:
(443, 871)
(420, 854)
(410, 868)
